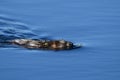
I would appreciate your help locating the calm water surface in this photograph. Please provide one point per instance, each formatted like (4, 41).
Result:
(93, 23)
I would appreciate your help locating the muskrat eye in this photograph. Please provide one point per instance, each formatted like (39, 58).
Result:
(69, 44)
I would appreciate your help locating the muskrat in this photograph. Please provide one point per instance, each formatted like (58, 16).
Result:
(44, 44)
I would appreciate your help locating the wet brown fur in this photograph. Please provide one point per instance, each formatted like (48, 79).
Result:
(43, 44)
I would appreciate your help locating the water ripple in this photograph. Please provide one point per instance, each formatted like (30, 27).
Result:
(14, 29)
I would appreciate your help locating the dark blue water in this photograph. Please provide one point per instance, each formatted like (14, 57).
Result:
(93, 23)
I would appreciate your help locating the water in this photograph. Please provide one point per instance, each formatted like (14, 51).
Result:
(94, 23)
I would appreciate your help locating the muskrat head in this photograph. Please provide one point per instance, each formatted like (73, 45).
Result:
(61, 45)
